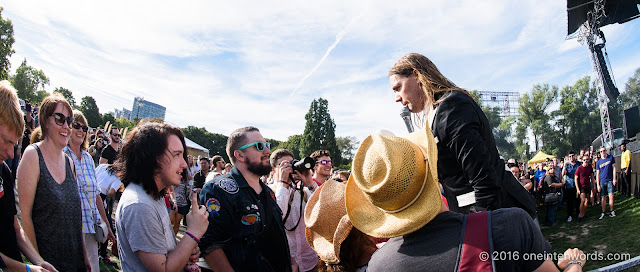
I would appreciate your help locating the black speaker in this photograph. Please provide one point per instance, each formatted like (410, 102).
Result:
(632, 121)
(609, 88)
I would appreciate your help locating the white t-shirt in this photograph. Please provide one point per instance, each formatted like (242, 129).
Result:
(106, 180)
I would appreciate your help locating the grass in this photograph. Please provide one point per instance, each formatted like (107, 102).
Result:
(620, 234)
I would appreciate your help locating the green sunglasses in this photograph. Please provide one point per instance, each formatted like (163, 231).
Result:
(259, 146)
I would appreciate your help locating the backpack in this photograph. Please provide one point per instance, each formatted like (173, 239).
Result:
(476, 251)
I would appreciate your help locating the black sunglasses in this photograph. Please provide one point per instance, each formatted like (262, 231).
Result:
(60, 119)
(116, 134)
(76, 125)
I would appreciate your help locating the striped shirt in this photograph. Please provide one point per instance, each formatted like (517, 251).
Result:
(87, 189)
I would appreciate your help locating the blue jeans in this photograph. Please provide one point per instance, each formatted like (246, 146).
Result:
(551, 213)
(606, 187)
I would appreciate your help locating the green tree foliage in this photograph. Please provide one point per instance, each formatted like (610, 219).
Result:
(6, 45)
(578, 117)
(534, 115)
(631, 96)
(319, 131)
(90, 110)
(275, 144)
(108, 117)
(347, 146)
(68, 95)
(121, 123)
(30, 82)
(216, 143)
(293, 144)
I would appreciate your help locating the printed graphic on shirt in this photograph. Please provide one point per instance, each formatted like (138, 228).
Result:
(250, 219)
(213, 206)
(228, 185)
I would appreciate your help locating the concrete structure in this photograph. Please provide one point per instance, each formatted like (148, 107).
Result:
(143, 109)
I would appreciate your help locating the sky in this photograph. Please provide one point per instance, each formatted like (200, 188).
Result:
(226, 64)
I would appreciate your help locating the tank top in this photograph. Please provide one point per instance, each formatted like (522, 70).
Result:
(57, 219)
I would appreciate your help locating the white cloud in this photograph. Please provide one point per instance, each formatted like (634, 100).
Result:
(223, 65)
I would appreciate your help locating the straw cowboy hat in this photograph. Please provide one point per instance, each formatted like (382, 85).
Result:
(393, 187)
(327, 222)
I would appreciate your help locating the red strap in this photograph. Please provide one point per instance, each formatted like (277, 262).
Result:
(476, 251)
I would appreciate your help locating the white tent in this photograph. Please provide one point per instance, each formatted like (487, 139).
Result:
(194, 149)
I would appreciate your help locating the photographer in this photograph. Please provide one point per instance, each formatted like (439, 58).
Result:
(292, 193)
(29, 125)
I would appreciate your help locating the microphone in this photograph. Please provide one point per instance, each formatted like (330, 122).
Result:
(406, 117)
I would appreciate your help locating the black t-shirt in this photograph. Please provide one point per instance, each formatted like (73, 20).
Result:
(272, 238)
(198, 179)
(110, 154)
(435, 246)
(8, 242)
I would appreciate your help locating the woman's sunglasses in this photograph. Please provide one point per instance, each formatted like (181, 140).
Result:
(259, 146)
(76, 125)
(59, 118)
(325, 162)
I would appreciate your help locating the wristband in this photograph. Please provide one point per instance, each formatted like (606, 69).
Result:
(192, 236)
(574, 262)
(28, 268)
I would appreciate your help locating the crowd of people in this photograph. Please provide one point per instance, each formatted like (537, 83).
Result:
(578, 180)
(432, 198)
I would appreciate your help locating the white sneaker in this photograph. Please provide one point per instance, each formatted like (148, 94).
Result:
(601, 216)
(613, 214)
(570, 219)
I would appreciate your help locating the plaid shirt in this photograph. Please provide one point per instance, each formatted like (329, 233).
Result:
(87, 189)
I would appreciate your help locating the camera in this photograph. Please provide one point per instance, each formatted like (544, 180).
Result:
(305, 164)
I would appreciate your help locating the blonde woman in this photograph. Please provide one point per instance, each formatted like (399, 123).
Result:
(92, 208)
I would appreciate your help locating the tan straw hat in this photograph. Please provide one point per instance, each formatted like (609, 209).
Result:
(393, 188)
(327, 222)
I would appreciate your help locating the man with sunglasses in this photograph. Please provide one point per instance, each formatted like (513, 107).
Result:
(217, 165)
(110, 152)
(322, 170)
(606, 180)
(245, 231)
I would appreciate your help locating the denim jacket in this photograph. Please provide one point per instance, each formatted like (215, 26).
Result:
(237, 220)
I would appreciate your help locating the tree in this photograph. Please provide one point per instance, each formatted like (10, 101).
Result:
(319, 131)
(108, 117)
(293, 144)
(347, 146)
(90, 110)
(121, 123)
(216, 143)
(578, 120)
(30, 82)
(6, 45)
(631, 96)
(533, 111)
(68, 95)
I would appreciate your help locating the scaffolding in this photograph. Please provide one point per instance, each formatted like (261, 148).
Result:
(506, 101)
(591, 35)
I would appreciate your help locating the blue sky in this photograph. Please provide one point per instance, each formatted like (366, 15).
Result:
(225, 65)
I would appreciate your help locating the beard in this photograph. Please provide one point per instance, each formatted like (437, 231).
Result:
(258, 168)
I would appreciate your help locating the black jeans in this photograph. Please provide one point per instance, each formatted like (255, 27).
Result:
(570, 196)
(626, 183)
(108, 209)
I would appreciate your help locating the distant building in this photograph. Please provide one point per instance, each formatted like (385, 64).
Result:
(143, 109)
(124, 113)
